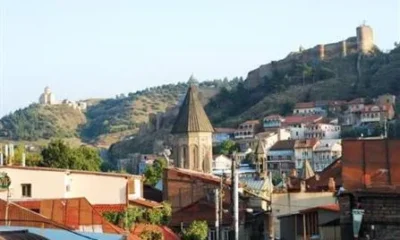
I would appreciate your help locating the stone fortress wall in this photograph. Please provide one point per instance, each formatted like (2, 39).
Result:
(363, 43)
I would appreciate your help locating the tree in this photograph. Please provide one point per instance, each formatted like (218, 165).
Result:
(133, 214)
(228, 146)
(151, 235)
(60, 155)
(153, 174)
(198, 230)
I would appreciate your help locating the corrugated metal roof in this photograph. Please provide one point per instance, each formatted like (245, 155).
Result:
(20, 235)
(370, 164)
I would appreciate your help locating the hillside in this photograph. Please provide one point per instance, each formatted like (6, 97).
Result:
(342, 78)
(42, 122)
(106, 121)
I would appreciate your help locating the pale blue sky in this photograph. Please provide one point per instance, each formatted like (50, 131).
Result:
(96, 48)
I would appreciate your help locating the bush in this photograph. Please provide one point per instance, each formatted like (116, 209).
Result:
(198, 230)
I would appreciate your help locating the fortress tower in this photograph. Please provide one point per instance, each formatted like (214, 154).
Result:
(47, 97)
(193, 135)
(365, 38)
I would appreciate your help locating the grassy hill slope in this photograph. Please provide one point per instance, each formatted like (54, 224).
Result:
(42, 122)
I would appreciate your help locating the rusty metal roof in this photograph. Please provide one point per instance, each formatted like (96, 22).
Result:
(192, 117)
(370, 164)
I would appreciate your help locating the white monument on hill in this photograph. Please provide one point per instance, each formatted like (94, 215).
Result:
(47, 97)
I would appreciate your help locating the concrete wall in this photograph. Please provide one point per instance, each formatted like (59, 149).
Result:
(44, 184)
(96, 188)
(289, 203)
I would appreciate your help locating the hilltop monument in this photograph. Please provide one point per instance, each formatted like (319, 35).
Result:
(47, 97)
(193, 135)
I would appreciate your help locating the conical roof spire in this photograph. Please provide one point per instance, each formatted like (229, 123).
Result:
(192, 117)
(307, 170)
(260, 148)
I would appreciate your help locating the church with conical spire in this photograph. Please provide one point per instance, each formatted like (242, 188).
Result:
(192, 131)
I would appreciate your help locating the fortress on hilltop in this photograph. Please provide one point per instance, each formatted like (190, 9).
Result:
(48, 98)
(362, 43)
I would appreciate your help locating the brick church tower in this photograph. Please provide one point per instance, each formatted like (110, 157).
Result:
(193, 135)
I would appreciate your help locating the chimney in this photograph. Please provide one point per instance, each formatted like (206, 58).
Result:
(293, 172)
(331, 185)
(23, 159)
(303, 186)
(317, 177)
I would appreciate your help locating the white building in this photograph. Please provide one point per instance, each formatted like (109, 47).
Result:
(247, 129)
(322, 131)
(326, 151)
(47, 97)
(96, 187)
(308, 108)
(222, 162)
(298, 124)
(303, 151)
(356, 105)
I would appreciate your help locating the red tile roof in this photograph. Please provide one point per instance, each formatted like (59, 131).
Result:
(145, 203)
(167, 232)
(320, 182)
(72, 212)
(357, 101)
(200, 210)
(301, 105)
(307, 143)
(283, 145)
(329, 207)
(251, 122)
(295, 119)
(273, 117)
(102, 208)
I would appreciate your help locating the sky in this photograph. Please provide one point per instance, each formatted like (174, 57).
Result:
(97, 48)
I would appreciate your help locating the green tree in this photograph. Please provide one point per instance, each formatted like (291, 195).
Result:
(151, 235)
(58, 154)
(228, 146)
(198, 230)
(153, 174)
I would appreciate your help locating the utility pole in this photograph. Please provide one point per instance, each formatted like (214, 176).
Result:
(217, 232)
(235, 198)
(221, 205)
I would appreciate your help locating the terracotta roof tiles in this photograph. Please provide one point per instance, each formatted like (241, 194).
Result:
(301, 105)
(328, 207)
(145, 203)
(296, 119)
(284, 145)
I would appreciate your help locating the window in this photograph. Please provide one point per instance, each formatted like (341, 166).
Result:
(26, 190)
(35, 210)
(212, 235)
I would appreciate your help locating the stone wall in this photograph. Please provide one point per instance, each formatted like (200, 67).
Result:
(362, 42)
(381, 218)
